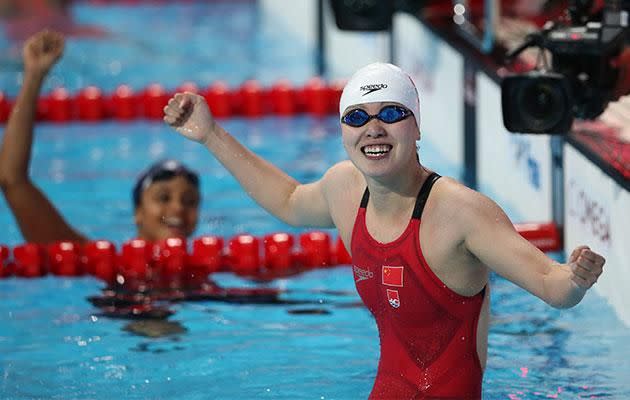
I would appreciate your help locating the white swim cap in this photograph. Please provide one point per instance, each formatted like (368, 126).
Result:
(381, 82)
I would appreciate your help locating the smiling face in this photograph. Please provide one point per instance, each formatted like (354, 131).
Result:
(379, 149)
(168, 208)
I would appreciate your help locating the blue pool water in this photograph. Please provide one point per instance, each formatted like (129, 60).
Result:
(53, 343)
(171, 43)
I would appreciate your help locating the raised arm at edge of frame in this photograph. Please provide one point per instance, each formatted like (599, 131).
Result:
(492, 238)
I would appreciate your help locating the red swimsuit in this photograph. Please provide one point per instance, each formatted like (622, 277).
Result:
(428, 332)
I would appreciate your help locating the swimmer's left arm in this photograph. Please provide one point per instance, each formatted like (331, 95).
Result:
(492, 238)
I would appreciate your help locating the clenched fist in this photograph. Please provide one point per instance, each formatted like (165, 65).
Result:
(189, 114)
(42, 50)
(586, 266)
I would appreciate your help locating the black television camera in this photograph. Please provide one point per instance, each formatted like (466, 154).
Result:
(581, 79)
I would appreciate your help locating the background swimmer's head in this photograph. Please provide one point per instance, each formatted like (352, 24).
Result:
(166, 201)
(162, 171)
(381, 82)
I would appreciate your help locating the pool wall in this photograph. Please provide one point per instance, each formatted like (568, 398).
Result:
(597, 212)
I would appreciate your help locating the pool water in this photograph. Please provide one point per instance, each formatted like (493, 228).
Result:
(170, 43)
(319, 342)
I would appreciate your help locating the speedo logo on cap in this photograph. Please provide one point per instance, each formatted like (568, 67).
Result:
(372, 88)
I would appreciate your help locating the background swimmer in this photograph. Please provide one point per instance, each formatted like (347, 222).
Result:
(166, 197)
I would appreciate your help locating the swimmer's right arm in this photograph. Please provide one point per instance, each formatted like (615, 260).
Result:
(294, 203)
(37, 218)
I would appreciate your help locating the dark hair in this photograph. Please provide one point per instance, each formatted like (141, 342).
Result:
(160, 171)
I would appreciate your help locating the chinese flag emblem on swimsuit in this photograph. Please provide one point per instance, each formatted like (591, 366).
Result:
(392, 276)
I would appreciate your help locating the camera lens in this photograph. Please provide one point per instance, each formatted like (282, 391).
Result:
(542, 104)
(538, 100)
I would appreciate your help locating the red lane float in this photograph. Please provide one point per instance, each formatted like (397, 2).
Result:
(169, 264)
(91, 104)
(250, 99)
(244, 255)
(545, 236)
(315, 249)
(219, 99)
(135, 259)
(317, 97)
(29, 260)
(6, 268)
(65, 259)
(154, 99)
(101, 260)
(123, 104)
(278, 251)
(207, 253)
(283, 98)
(5, 108)
(59, 106)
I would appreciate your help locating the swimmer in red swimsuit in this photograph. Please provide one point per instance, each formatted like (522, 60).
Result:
(428, 331)
(422, 247)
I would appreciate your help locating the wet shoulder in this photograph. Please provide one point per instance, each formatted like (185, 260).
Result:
(453, 201)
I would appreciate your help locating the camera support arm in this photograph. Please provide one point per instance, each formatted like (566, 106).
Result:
(535, 39)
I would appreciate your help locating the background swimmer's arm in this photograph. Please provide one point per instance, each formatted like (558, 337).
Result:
(491, 237)
(37, 218)
(294, 203)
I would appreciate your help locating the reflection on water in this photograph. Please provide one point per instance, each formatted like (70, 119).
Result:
(155, 328)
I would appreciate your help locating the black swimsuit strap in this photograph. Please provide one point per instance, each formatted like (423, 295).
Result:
(421, 199)
(423, 195)
(366, 197)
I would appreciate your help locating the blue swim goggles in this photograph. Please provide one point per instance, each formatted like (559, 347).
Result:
(387, 114)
